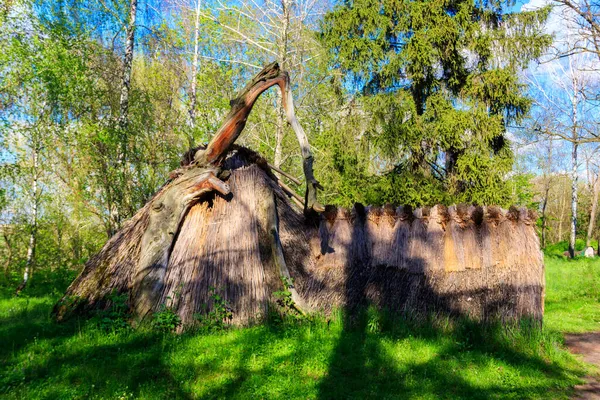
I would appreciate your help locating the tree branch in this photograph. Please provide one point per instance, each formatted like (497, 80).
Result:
(236, 121)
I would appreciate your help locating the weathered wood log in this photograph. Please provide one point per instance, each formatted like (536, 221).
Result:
(236, 121)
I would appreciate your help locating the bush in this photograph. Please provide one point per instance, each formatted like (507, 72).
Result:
(217, 318)
(165, 320)
(115, 317)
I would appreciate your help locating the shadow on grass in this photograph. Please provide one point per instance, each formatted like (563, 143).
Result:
(366, 355)
(467, 361)
(43, 359)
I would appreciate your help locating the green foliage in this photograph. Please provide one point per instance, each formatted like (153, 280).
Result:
(165, 319)
(220, 314)
(285, 303)
(285, 296)
(437, 116)
(284, 299)
(374, 322)
(522, 190)
(115, 316)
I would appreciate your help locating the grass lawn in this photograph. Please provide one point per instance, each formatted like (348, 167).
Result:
(373, 357)
(572, 295)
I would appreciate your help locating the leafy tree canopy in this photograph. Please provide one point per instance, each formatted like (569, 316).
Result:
(439, 81)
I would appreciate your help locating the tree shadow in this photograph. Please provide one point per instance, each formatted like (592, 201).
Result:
(363, 365)
(40, 358)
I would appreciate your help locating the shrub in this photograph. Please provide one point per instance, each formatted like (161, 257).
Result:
(115, 317)
(165, 320)
(216, 319)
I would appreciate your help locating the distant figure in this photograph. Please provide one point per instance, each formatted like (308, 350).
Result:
(589, 252)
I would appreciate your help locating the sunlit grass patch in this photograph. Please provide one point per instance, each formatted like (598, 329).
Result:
(371, 356)
(572, 294)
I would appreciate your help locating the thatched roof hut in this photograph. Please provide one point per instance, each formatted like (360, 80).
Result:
(483, 262)
(225, 221)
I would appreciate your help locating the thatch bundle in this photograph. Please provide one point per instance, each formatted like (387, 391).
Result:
(477, 261)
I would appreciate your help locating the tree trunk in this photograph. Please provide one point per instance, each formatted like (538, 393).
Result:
(279, 133)
(10, 253)
(29, 262)
(195, 65)
(114, 206)
(127, 65)
(574, 179)
(563, 206)
(547, 182)
(283, 61)
(591, 225)
(544, 218)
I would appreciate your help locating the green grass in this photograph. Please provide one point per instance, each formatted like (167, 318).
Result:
(559, 248)
(572, 294)
(372, 356)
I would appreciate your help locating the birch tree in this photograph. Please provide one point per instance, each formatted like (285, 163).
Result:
(35, 199)
(592, 163)
(546, 166)
(583, 17)
(127, 65)
(189, 13)
(559, 90)
(272, 30)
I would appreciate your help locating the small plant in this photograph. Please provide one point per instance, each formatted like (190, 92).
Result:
(115, 317)
(374, 325)
(285, 301)
(221, 313)
(165, 320)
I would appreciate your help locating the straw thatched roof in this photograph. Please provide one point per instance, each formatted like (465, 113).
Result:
(483, 262)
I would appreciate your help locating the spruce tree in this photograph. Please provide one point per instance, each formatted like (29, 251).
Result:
(439, 80)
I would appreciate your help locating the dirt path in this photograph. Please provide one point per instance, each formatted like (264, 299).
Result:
(588, 345)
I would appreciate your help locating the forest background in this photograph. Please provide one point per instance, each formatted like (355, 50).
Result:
(404, 102)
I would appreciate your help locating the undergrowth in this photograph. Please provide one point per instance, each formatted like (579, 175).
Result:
(218, 316)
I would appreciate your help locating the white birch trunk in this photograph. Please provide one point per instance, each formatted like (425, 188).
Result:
(34, 219)
(575, 137)
(574, 179)
(195, 66)
(283, 60)
(592, 224)
(127, 65)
